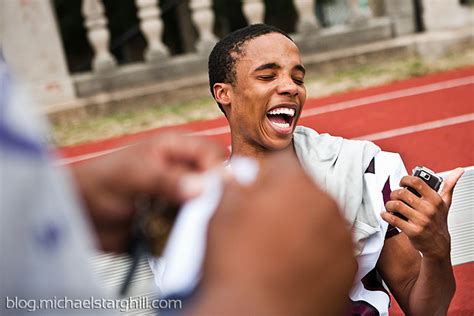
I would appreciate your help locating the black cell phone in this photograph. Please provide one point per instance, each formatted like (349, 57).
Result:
(429, 177)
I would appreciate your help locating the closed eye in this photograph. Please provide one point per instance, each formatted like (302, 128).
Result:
(266, 77)
(298, 81)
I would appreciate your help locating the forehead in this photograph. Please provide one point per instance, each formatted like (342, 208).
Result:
(269, 48)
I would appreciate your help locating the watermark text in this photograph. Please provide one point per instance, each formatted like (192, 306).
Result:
(90, 303)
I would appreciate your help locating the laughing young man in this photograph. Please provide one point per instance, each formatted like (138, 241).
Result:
(257, 78)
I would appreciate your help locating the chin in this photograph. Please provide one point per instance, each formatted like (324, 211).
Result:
(279, 145)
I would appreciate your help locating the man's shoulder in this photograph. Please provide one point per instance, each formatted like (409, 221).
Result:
(309, 137)
(303, 131)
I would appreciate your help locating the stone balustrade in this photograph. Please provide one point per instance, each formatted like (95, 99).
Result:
(98, 34)
(152, 28)
(202, 16)
(318, 27)
(254, 10)
(306, 18)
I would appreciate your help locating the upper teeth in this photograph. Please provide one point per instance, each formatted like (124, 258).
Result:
(287, 111)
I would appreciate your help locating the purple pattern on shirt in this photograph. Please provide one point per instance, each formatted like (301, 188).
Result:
(362, 308)
(386, 191)
(373, 281)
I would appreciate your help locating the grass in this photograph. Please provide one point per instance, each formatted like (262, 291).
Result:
(360, 76)
(134, 121)
(367, 75)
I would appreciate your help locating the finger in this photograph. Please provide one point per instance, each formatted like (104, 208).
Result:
(195, 152)
(177, 186)
(205, 153)
(449, 184)
(419, 186)
(406, 227)
(403, 209)
(406, 196)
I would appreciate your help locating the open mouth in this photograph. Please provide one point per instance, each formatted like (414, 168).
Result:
(282, 118)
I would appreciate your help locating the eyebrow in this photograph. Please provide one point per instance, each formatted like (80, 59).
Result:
(276, 66)
(268, 66)
(301, 68)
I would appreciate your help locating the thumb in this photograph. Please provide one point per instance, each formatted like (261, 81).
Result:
(449, 184)
(177, 186)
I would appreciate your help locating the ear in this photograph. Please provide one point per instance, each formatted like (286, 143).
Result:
(222, 93)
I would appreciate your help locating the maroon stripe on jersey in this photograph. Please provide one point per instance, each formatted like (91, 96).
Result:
(362, 308)
(371, 167)
(386, 191)
(372, 281)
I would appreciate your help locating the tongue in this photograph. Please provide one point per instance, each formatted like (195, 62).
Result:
(277, 118)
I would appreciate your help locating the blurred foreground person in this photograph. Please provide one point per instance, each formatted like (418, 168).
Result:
(257, 79)
(259, 255)
(47, 237)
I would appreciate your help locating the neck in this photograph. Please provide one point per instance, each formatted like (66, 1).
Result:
(259, 153)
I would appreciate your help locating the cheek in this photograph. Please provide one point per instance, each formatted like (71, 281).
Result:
(302, 96)
(245, 115)
(252, 101)
(255, 102)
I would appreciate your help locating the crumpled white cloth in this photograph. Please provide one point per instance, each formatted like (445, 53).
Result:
(179, 269)
(338, 166)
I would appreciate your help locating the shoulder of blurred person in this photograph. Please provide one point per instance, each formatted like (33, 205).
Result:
(43, 231)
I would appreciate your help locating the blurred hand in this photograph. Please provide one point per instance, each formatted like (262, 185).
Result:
(165, 167)
(427, 216)
(276, 247)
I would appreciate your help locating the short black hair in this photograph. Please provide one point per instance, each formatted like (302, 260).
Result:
(222, 60)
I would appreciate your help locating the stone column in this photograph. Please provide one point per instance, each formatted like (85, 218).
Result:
(446, 14)
(98, 35)
(152, 28)
(32, 48)
(254, 11)
(306, 16)
(377, 7)
(203, 18)
(356, 14)
(402, 14)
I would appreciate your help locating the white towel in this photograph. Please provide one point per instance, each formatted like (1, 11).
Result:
(338, 165)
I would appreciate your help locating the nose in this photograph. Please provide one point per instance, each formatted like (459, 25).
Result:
(287, 86)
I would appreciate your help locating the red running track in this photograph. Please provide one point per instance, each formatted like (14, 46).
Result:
(442, 102)
(429, 120)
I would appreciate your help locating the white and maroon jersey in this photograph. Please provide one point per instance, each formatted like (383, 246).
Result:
(368, 295)
(179, 270)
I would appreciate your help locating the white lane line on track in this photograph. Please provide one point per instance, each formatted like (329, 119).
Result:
(213, 131)
(363, 101)
(389, 96)
(372, 137)
(67, 161)
(320, 110)
(418, 128)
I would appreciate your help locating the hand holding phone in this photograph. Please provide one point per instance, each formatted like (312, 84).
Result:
(427, 224)
(428, 176)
